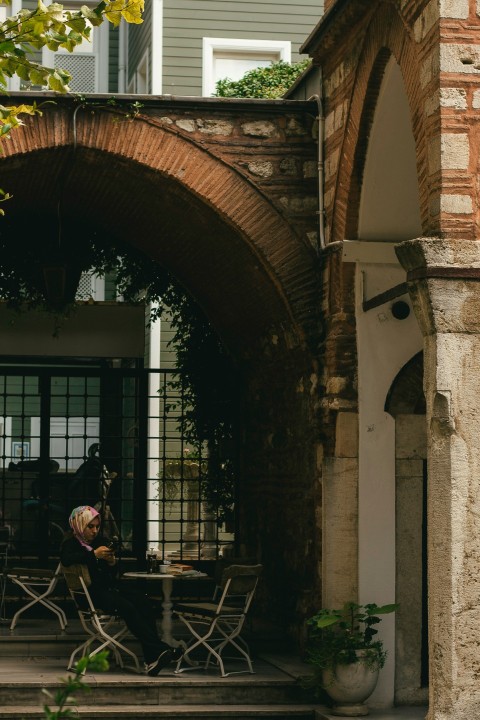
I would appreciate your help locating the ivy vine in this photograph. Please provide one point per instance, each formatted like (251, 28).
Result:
(206, 373)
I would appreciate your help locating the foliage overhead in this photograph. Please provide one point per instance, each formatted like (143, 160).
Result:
(207, 379)
(208, 383)
(53, 27)
(271, 82)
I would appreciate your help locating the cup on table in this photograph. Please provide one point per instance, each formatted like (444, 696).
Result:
(163, 568)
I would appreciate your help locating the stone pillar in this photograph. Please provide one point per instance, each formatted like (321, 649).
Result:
(444, 283)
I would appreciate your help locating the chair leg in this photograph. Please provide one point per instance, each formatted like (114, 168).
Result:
(39, 598)
(215, 646)
(105, 641)
(231, 640)
(201, 641)
(113, 641)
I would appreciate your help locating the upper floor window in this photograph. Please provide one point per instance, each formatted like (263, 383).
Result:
(232, 58)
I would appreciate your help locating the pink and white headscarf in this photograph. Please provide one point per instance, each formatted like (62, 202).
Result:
(79, 518)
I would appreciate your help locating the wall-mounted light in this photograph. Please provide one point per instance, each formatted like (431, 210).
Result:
(60, 282)
(400, 310)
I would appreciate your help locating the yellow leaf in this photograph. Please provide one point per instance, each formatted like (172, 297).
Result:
(130, 10)
(42, 8)
(27, 109)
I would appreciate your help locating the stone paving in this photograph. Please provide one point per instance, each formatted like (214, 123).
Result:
(35, 655)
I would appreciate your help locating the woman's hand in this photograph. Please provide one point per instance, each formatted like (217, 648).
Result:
(105, 553)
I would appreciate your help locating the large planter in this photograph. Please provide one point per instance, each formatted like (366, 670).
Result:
(350, 685)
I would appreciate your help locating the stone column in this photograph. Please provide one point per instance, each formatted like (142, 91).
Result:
(444, 283)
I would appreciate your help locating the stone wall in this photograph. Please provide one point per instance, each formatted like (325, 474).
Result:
(280, 494)
(437, 47)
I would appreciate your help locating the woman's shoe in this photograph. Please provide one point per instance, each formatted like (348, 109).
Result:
(164, 659)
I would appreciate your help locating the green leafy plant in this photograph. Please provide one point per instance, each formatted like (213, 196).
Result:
(209, 385)
(72, 684)
(336, 635)
(271, 82)
(207, 381)
(52, 26)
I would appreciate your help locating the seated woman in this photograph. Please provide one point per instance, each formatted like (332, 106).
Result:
(84, 545)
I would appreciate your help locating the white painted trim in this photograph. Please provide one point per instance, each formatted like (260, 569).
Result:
(384, 345)
(16, 6)
(369, 251)
(156, 68)
(122, 57)
(210, 45)
(103, 57)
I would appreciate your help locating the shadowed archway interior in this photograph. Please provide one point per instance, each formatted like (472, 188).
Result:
(108, 196)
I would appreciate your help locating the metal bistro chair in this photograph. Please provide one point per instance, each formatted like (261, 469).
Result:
(99, 626)
(37, 584)
(217, 625)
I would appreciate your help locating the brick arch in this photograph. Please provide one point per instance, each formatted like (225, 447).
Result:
(385, 36)
(148, 160)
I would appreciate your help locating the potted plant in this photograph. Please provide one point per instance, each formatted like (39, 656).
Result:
(345, 654)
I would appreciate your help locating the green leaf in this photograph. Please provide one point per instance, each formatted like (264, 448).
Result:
(383, 610)
(7, 46)
(57, 82)
(38, 76)
(265, 82)
(327, 621)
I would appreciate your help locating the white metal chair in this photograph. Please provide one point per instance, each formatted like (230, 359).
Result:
(217, 625)
(38, 584)
(103, 629)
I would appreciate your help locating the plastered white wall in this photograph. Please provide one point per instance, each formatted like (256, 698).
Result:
(389, 212)
(384, 346)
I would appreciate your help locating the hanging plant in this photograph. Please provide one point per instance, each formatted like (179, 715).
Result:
(208, 383)
(206, 376)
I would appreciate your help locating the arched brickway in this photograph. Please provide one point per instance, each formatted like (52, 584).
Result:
(160, 191)
(385, 34)
(229, 244)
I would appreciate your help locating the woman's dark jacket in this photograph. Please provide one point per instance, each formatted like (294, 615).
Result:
(102, 574)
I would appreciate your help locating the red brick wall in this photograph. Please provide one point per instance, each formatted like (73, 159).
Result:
(438, 58)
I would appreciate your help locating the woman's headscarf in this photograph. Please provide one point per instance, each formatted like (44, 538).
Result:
(79, 518)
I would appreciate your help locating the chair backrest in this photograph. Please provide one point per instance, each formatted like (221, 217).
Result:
(239, 583)
(222, 563)
(37, 576)
(78, 581)
(72, 575)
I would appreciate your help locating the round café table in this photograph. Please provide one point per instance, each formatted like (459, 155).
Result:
(167, 586)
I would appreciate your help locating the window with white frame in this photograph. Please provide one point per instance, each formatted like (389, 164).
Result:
(232, 58)
(88, 63)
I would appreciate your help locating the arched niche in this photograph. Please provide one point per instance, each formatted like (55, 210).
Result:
(389, 207)
(406, 396)
(406, 403)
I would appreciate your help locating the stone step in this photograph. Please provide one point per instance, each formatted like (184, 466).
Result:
(164, 694)
(189, 712)
(60, 645)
